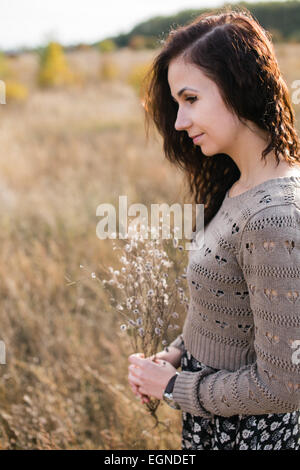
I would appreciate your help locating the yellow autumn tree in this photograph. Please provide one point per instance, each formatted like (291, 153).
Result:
(54, 69)
(15, 91)
(4, 67)
(11, 89)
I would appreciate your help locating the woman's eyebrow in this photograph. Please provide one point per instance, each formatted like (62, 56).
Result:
(184, 89)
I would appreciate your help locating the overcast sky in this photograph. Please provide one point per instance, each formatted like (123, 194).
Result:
(34, 22)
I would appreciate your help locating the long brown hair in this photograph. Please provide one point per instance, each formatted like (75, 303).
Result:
(233, 50)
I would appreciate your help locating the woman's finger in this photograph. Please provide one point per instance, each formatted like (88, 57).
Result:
(136, 391)
(139, 395)
(134, 379)
(161, 362)
(134, 369)
(133, 385)
(134, 388)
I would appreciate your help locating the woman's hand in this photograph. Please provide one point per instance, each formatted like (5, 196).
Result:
(135, 388)
(170, 354)
(148, 377)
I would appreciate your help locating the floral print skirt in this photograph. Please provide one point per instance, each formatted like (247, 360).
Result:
(239, 432)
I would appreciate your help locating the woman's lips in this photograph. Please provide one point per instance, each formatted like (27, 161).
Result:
(198, 137)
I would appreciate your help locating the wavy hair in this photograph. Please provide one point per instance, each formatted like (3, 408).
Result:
(234, 51)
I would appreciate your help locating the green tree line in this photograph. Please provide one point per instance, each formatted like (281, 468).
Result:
(281, 19)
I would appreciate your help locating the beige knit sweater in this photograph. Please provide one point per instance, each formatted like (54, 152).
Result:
(244, 311)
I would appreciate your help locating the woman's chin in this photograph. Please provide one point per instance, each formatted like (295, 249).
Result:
(210, 151)
(206, 151)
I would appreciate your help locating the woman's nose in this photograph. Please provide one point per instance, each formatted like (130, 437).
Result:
(182, 122)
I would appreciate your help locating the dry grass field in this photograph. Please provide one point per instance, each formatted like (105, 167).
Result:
(63, 152)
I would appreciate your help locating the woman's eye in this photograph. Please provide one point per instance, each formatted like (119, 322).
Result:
(191, 99)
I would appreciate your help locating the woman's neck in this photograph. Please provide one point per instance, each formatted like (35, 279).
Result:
(246, 152)
(283, 169)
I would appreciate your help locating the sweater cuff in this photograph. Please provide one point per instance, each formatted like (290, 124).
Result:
(186, 392)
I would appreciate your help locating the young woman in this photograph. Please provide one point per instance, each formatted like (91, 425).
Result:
(218, 99)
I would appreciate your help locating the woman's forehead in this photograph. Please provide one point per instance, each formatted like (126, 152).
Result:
(182, 74)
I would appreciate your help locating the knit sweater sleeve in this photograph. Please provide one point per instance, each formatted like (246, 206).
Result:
(269, 257)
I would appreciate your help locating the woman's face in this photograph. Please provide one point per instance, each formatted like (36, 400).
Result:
(201, 109)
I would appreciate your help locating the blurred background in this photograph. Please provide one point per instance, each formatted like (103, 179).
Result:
(72, 136)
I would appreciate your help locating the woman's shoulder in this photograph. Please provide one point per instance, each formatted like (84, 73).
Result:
(278, 195)
(274, 215)
(276, 198)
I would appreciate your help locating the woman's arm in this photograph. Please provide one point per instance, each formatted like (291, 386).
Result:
(270, 260)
